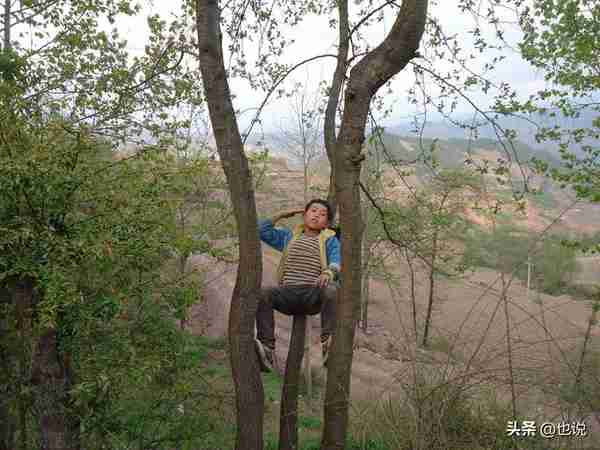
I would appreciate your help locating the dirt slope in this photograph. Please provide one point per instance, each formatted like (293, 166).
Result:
(469, 312)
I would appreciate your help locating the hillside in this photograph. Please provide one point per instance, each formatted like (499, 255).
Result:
(548, 205)
(469, 334)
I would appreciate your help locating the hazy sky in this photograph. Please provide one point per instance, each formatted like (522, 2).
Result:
(313, 36)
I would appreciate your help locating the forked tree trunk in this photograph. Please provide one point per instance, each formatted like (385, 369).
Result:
(372, 72)
(244, 301)
(288, 420)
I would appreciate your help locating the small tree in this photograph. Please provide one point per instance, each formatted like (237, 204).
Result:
(431, 225)
(300, 134)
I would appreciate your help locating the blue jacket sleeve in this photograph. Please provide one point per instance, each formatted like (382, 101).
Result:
(333, 249)
(277, 238)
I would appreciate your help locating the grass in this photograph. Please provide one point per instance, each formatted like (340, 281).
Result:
(309, 422)
(221, 424)
(219, 420)
(443, 345)
(452, 418)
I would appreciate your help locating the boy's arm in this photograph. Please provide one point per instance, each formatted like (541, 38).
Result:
(333, 248)
(286, 215)
(275, 237)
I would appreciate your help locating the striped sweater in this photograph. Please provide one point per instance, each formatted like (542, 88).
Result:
(282, 239)
(303, 263)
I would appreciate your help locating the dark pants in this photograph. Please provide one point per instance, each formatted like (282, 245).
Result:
(293, 301)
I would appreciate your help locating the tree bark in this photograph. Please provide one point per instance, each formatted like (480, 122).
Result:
(431, 289)
(244, 302)
(365, 295)
(334, 97)
(586, 341)
(288, 420)
(308, 359)
(52, 382)
(7, 420)
(413, 294)
(308, 322)
(6, 424)
(366, 275)
(7, 27)
(23, 303)
(372, 72)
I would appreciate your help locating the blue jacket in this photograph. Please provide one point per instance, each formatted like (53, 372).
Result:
(280, 238)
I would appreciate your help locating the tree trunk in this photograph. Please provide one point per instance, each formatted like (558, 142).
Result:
(7, 420)
(244, 301)
(366, 275)
(369, 74)
(51, 379)
(7, 436)
(52, 382)
(307, 359)
(182, 261)
(431, 290)
(7, 26)
(511, 374)
(413, 295)
(23, 301)
(348, 304)
(586, 340)
(308, 321)
(288, 420)
(305, 179)
(334, 97)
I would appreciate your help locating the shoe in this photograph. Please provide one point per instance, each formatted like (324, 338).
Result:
(265, 356)
(325, 349)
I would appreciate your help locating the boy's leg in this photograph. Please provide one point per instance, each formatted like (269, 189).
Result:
(265, 319)
(310, 300)
(265, 330)
(328, 315)
(278, 298)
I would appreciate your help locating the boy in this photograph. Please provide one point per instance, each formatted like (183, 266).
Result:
(306, 274)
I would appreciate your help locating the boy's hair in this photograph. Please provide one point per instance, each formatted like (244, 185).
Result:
(320, 201)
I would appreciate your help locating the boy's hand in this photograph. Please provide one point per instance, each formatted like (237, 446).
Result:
(291, 213)
(323, 280)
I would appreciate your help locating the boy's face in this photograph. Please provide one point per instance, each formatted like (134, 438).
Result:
(315, 217)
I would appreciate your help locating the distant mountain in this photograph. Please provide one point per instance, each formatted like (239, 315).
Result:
(453, 142)
(453, 151)
(525, 127)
